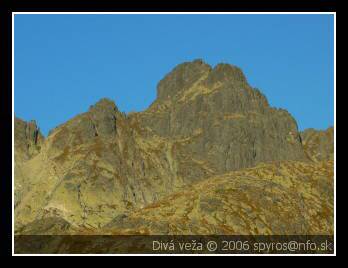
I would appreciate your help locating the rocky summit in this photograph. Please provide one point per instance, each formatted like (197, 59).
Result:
(209, 156)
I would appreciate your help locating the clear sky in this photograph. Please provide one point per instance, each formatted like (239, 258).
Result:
(65, 63)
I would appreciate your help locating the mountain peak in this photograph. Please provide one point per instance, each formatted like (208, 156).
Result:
(224, 71)
(187, 74)
(104, 104)
(181, 77)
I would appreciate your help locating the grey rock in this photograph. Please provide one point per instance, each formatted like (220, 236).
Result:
(318, 144)
(27, 138)
(233, 125)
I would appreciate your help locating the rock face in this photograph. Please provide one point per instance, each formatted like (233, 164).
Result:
(259, 200)
(27, 144)
(319, 145)
(95, 167)
(28, 139)
(228, 124)
(102, 168)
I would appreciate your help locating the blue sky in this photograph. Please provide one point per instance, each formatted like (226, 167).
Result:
(65, 63)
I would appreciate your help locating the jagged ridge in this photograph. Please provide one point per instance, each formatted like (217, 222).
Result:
(102, 164)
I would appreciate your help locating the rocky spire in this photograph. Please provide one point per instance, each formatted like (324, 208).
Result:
(104, 116)
(28, 138)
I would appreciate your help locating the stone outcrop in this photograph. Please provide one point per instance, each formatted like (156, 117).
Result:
(259, 200)
(318, 144)
(27, 139)
(27, 144)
